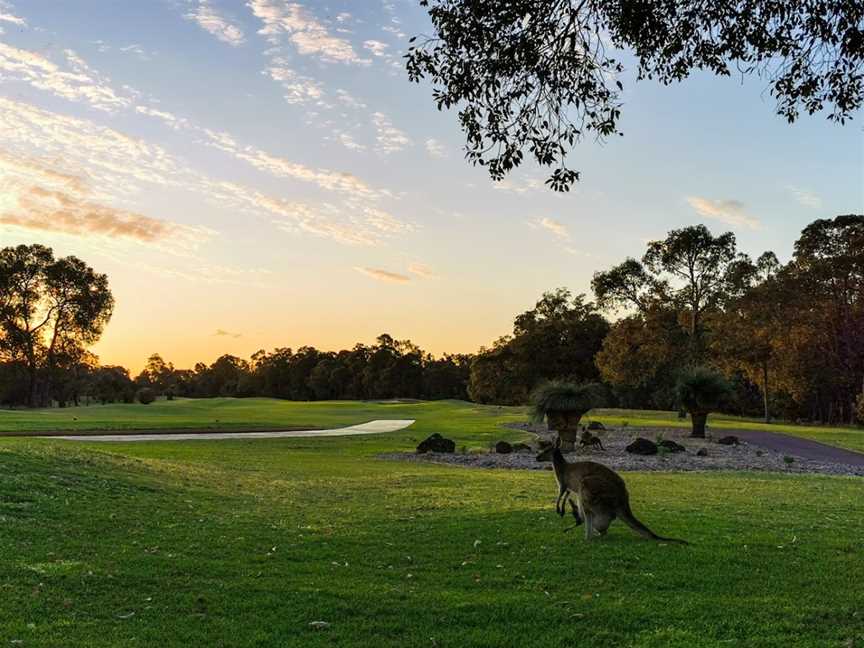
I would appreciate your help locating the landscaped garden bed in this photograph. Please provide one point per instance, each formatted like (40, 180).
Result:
(716, 456)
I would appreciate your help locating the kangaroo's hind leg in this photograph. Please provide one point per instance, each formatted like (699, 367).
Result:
(576, 516)
(589, 525)
(561, 502)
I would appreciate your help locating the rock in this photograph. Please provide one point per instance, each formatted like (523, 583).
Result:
(642, 447)
(729, 440)
(436, 443)
(319, 625)
(701, 452)
(671, 446)
(596, 425)
(502, 447)
(521, 447)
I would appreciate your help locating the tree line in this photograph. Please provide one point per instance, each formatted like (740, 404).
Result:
(789, 337)
(387, 369)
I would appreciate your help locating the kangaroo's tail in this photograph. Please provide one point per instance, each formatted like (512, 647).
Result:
(630, 520)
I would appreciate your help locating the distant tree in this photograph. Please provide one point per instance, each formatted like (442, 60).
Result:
(557, 339)
(859, 408)
(51, 310)
(394, 369)
(748, 333)
(302, 363)
(70, 379)
(496, 376)
(13, 383)
(328, 379)
(272, 371)
(226, 376)
(146, 395)
(701, 391)
(355, 361)
(641, 355)
(690, 270)
(112, 384)
(537, 76)
(158, 375)
(446, 377)
(826, 276)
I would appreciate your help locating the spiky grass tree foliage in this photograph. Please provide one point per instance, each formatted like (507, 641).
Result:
(701, 391)
(563, 404)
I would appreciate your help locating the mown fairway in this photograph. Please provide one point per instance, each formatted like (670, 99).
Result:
(244, 543)
(266, 413)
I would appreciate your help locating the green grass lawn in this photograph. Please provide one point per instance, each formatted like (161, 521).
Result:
(245, 543)
(265, 413)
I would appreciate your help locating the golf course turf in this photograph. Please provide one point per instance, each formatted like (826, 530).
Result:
(249, 542)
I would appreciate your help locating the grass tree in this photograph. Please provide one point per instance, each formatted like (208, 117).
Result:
(563, 404)
(701, 391)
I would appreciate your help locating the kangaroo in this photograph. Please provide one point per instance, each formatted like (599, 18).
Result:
(588, 439)
(600, 494)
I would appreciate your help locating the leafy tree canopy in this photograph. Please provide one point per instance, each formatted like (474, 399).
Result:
(538, 76)
(50, 311)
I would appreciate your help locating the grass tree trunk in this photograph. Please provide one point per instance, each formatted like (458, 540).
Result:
(765, 391)
(698, 419)
(566, 424)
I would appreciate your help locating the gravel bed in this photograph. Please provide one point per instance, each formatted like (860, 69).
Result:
(720, 457)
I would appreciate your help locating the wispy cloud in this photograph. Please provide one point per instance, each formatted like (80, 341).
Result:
(73, 79)
(299, 89)
(113, 161)
(435, 148)
(168, 118)
(223, 333)
(213, 22)
(390, 139)
(336, 223)
(37, 197)
(308, 35)
(349, 100)
(422, 270)
(134, 49)
(278, 166)
(385, 222)
(42, 209)
(383, 275)
(557, 228)
(519, 186)
(730, 212)
(6, 16)
(376, 47)
(806, 198)
(347, 140)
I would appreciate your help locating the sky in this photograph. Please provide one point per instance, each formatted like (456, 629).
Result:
(260, 174)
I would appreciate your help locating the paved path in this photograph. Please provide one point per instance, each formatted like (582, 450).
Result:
(798, 447)
(372, 427)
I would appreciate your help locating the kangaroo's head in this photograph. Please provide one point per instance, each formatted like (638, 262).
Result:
(546, 453)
